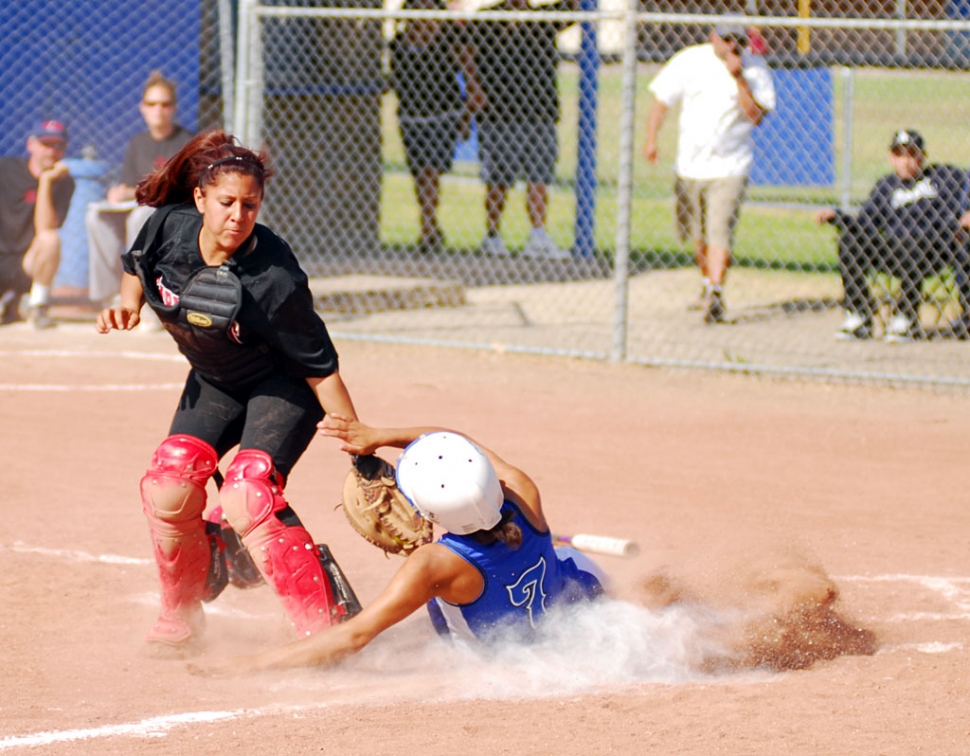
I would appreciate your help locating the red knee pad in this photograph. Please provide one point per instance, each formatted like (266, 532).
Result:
(253, 491)
(173, 488)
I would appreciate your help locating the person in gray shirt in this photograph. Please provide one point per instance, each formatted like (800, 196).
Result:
(112, 226)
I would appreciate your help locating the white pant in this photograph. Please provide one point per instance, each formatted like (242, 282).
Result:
(110, 234)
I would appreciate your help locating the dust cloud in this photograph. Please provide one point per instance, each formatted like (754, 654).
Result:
(771, 614)
(774, 611)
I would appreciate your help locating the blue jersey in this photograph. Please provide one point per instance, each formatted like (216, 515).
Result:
(520, 584)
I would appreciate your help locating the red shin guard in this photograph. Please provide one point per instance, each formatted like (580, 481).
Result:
(173, 499)
(285, 554)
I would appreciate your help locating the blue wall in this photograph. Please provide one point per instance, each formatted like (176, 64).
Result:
(795, 145)
(86, 61)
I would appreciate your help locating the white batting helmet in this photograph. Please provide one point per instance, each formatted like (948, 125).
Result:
(450, 481)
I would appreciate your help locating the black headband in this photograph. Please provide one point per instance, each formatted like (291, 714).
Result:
(237, 159)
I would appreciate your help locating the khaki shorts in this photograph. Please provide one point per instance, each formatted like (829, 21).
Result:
(708, 210)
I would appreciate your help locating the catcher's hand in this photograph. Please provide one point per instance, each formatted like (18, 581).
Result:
(378, 510)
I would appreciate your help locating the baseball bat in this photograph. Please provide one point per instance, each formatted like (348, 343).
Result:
(597, 544)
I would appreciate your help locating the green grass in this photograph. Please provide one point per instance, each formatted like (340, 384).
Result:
(776, 228)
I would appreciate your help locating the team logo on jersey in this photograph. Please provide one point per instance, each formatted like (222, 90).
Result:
(529, 591)
(169, 297)
(199, 319)
(921, 190)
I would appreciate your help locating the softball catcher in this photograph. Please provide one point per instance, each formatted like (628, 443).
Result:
(232, 295)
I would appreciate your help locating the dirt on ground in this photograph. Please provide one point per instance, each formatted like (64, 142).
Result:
(802, 585)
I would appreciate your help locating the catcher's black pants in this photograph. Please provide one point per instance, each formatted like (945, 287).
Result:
(909, 259)
(278, 415)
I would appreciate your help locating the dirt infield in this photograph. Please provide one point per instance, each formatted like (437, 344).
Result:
(744, 494)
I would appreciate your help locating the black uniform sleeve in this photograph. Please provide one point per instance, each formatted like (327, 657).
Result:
(127, 261)
(287, 320)
(955, 184)
(142, 242)
(302, 337)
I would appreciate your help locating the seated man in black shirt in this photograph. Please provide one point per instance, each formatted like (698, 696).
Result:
(911, 225)
(35, 196)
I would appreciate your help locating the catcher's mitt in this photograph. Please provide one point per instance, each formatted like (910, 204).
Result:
(378, 510)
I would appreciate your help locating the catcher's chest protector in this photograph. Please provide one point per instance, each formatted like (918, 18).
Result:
(203, 319)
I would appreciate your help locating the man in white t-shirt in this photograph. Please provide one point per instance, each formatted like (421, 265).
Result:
(724, 92)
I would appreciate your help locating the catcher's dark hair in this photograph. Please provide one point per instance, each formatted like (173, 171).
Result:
(200, 163)
(505, 531)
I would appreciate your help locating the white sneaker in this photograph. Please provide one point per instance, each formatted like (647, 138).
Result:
(493, 246)
(541, 245)
(900, 329)
(854, 328)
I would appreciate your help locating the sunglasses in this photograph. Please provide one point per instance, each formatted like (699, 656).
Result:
(158, 103)
(739, 41)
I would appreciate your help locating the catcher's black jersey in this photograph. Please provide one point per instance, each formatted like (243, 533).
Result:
(276, 328)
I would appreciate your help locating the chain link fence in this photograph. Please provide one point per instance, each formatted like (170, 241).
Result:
(387, 190)
(86, 63)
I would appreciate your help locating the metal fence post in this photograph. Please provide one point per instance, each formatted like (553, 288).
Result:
(226, 64)
(847, 83)
(249, 76)
(624, 184)
(241, 98)
(586, 159)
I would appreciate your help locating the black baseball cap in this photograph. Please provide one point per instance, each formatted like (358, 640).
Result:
(907, 138)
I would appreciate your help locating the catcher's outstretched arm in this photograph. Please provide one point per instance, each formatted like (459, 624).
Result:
(363, 440)
(333, 395)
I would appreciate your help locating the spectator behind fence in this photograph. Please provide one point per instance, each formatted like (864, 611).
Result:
(35, 195)
(426, 57)
(516, 63)
(724, 92)
(113, 225)
(911, 225)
